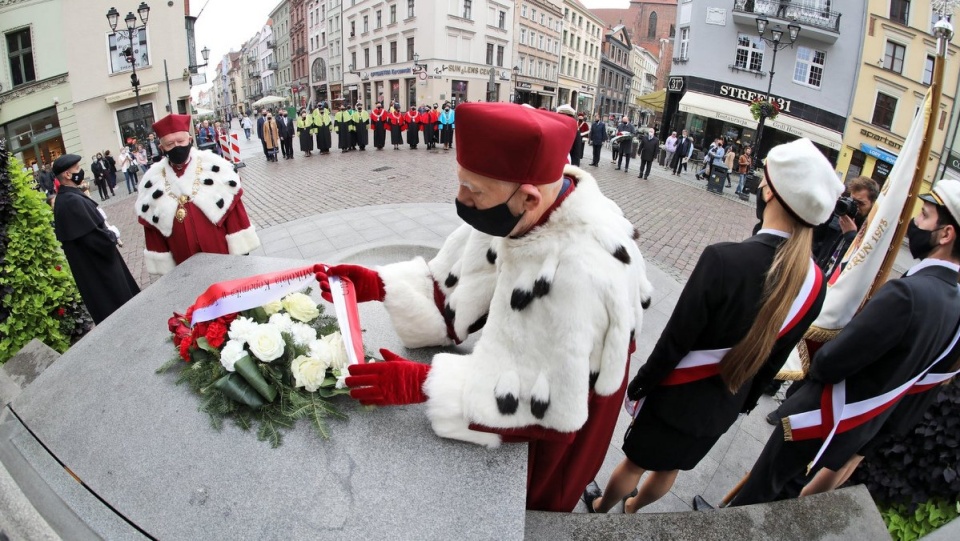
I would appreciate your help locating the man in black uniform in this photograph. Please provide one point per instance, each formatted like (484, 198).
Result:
(102, 277)
(905, 328)
(576, 149)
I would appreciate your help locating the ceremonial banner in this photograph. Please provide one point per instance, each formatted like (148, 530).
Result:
(851, 283)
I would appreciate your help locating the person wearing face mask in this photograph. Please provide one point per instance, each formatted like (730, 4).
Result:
(906, 331)
(576, 149)
(739, 316)
(342, 122)
(362, 119)
(104, 281)
(378, 123)
(436, 124)
(323, 121)
(549, 269)
(305, 129)
(99, 170)
(649, 147)
(446, 126)
(397, 125)
(190, 201)
(412, 120)
(285, 128)
(428, 124)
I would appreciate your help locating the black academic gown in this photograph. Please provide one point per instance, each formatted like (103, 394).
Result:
(102, 277)
(576, 151)
(343, 122)
(379, 130)
(413, 132)
(902, 329)
(363, 135)
(678, 424)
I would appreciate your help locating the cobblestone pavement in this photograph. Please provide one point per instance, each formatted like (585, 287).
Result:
(677, 217)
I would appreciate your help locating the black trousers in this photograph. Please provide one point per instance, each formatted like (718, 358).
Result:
(779, 464)
(596, 154)
(620, 159)
(286, 146)
(263, 142)
(645, 167)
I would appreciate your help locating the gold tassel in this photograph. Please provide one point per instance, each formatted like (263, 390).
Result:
(787, 431)
(817, 334)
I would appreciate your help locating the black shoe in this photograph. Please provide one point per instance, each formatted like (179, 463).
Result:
(628, 496)
(646, 177)
(591, 493)
(699, 504)
(617, 168)
(773, 417)
(640, 175)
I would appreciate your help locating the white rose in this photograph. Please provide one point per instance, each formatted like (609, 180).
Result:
(272, 307)
(241, 328)
(319, 349)
(301, 307)
(308, 372)
(231, 353)
(266, 342)
(282, 322)
(342, 378)
(337, 351)
(302, 334)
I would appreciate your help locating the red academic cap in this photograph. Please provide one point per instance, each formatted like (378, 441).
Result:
(171, 124)
(513, 143)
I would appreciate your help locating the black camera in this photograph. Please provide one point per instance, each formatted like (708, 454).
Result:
(846, 206)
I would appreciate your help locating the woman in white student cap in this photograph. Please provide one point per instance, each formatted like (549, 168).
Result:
(744, 308)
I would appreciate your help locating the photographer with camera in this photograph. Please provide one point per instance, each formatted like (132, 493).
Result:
(832, 239)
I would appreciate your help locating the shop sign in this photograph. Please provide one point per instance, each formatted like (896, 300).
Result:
(524, 85)
(463, 69)
(878, 153)
(675, 84)
(881, 139)
(391, 72)
(745, 95)
(953, 162)
(881, 169)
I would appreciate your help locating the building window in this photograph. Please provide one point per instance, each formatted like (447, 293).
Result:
(353, 60)
(893, 57)
(366, 24)
(393, 14)
(652, 26)
(410, 8)
(121, 52)
(20, 53)
(502, 20)
(353, 28)
(393, 52)
(928, 70)
(809, 68)
(883, 110)
(379, 19)
(366, 58)
(900, 11)
(500, 55)
(523, 36)
(749, 52)
(379, 55)
(467, 9)
(523, 10)
(458, 91)
(673, 31)
(410, 49)
(489, 54)
(127, 120)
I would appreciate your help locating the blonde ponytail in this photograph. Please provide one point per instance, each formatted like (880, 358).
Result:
(780, 287)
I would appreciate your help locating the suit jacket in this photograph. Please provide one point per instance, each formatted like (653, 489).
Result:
(598, 133)
(903, 328)
(97, 168)
(260, 122)
(717, 307)
(649, 147)
(285, 127)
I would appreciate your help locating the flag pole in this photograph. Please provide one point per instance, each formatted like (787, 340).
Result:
(943, 31)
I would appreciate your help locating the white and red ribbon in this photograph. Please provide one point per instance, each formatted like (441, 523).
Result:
(344, 296)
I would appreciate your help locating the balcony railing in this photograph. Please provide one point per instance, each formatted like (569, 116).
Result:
(806, 12)
(253, 74)
(270, 44)
(272, 66)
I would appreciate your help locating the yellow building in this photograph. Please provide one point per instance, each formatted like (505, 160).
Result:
(894, 75)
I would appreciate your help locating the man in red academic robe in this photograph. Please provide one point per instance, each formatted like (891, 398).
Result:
(189, 202)
(548, 268)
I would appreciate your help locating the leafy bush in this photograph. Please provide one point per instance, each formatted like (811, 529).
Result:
(905, 525)
(39, 297)
(921, 466)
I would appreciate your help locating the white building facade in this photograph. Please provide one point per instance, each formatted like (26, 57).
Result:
(582, 34)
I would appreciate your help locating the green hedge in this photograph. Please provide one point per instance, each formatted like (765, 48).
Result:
(39, 297)
(905, 525)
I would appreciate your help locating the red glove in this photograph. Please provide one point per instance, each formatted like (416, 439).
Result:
(367, 282)
(394, 382)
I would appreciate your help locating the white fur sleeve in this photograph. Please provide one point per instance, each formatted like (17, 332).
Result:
(409, 301)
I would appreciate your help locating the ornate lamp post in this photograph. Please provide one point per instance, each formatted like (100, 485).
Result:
(516, 84)
(776, 36)
(130, 53)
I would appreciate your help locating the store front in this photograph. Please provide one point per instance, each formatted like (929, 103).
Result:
(35, 139)
(710, 109)
(869, 153)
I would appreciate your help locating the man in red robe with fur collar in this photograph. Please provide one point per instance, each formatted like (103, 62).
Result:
(189, 202)
(548, 268)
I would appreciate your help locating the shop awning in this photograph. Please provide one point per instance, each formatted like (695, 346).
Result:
(878, 153)
(738, 113)
(654, 100)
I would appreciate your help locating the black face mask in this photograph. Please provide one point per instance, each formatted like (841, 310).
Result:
(179, 154)
(495, 221)
(77, 177)
(761, 204)
(920, 240)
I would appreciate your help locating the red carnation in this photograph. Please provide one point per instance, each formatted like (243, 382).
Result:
(185, 350)
(189, 315)
(216, 334)
(61, 312)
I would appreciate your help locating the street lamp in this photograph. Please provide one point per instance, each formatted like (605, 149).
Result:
(130, 53)
(417, 66)
(776, 36)
(516, 84)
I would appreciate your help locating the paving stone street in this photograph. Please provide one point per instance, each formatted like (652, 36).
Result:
(677, 218)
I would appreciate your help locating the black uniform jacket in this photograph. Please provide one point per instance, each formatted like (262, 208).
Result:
(901, 330)
(716, 309)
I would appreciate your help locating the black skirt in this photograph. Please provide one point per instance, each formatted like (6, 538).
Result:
(656, 446)
(446, 134)
(396, 135)
(306, 140)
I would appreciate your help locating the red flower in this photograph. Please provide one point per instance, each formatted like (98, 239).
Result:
(175, 322)
(189, 315)
(61, 312)
(181, 335)
(216, 334)
(58, 268)
(185, 350)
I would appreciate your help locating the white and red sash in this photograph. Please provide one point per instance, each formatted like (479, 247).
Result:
(835, 416)
(234, 296)
(702, 364)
